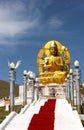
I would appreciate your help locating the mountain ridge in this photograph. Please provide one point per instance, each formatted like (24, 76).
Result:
(5, 89)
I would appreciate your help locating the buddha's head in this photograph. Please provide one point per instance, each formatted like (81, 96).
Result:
(53, 48)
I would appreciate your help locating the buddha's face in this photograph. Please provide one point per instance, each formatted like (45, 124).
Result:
(54, 51)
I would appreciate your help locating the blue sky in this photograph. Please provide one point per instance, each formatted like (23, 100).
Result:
(26, 25)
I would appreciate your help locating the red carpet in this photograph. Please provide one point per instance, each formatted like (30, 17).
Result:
(44, 120)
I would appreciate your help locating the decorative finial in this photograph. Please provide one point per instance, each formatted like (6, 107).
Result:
(25, 72)
(71, 71)
(14, 66)
(76, 64)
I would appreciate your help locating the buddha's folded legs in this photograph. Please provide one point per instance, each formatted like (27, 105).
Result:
(53, 77)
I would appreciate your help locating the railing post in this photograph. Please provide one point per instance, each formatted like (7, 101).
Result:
(37, 85)
(77, 75)
(68, 89)
(12, 75)
(31, 78)
(32, 89)
(71, 87)
(24, 87)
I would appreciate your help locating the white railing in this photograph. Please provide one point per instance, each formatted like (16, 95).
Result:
(7, 120)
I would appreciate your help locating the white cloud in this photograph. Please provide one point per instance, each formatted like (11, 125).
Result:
(11, 28)
(24, 17)
(55, 22)
(13, 19)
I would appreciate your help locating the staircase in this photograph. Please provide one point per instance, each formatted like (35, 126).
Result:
(21, 121)
(44, 120)
(64, 117)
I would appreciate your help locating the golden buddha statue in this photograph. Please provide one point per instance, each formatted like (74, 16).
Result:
(53, 63)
